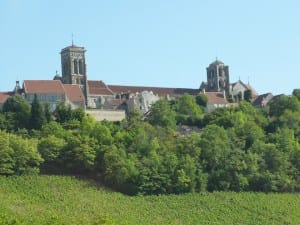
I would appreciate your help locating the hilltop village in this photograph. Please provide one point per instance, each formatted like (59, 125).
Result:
(164, 140)
(112, 102)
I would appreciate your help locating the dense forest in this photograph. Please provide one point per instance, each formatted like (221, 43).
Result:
(174, 148)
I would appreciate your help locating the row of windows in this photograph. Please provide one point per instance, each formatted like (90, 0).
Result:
(46, 97)
(78, 66)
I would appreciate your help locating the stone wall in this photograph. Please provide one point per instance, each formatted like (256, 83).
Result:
(110, 115)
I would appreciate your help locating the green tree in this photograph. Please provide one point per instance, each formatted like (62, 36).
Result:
(214, 146)
(63, 113)
(6, 155)
(188, 111)
(161, 114)
(50, 148)
(134, 119)
(248, 133)
(78, 114)
(187, 105)
(7, 121)
(274, 168)
(248, 95)
(20, 110)
(296, 93)
(18, 155)
(283, 103)
(26, 156)
(48, 114)
(202, 100)
(55, 129)
(79, 154)
(37, 117)
(119, 169)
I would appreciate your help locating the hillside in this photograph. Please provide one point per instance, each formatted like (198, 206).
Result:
(67, 200)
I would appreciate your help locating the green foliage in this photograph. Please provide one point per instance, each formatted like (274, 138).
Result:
(214, 144)
(240, 148)
(55, 129)
(63, 113)
(248, 95)
(48, 115)
(18, 155)
(6, 155)
(19, 109)
(283, 103)
(187, 105)
(50, 148)
(296, 93)
(161, 114)
(7, 121)
(37, 116)
(188, 111)
(78, 155)
(59, 200)
(202, 100)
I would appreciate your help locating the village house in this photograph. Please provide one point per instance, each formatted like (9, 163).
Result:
(112, 102)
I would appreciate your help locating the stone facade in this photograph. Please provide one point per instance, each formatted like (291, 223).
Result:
(111, 102)
(217, 77)
(74, 67)
(110, 115)
(142, 101)
(51, 98)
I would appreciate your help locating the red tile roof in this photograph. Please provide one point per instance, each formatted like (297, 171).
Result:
(263, 99)
(43, 87)
(155, 90)
(216, 98)
(98, 88)
(3, 97)
(74, 93)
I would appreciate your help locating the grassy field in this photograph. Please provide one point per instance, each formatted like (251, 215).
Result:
(67, 200)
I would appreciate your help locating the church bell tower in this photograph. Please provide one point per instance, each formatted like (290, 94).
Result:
(73, 67)
(217, 77)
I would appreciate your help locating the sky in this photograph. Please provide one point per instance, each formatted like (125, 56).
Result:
(164, 43)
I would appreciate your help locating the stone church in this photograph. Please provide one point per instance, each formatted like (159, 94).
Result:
(110, 102)
(218, 81)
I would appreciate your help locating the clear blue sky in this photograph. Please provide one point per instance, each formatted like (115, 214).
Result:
(166, 43)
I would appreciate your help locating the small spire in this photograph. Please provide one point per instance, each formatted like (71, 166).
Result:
(72, 39)
(248, 80)
(17, 87)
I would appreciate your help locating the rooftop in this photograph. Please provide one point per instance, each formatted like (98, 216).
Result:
(43, 87)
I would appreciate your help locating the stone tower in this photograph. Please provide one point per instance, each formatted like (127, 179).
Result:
(217, 76)
(73, 67)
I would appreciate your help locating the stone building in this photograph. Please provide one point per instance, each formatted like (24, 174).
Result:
(217, 77)
(53, 92)
(108, 101)
(237, 91)
(262, 101)
(218, 80)
(73, 67)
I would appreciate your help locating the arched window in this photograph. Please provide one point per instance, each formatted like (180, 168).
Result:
(75, 66)
(80, 67)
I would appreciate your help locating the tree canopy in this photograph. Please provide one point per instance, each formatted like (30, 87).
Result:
(175, 148)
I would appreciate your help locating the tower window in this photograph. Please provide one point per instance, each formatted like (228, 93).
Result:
(75, 67)
(80, 67)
